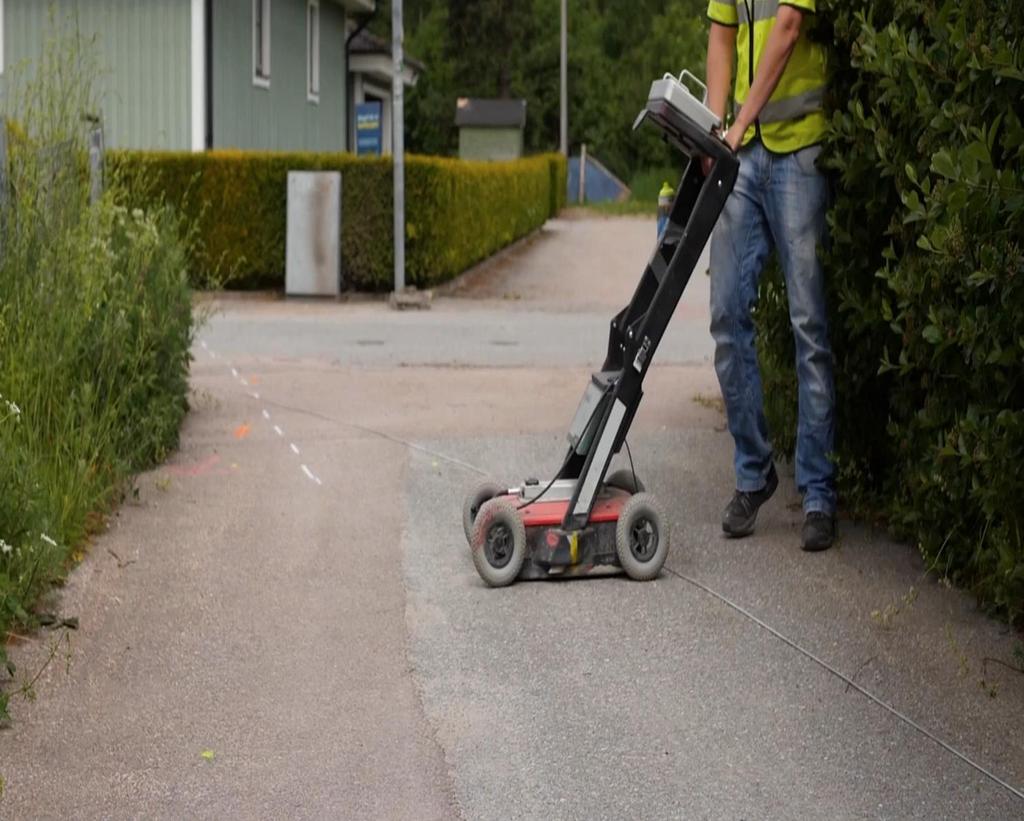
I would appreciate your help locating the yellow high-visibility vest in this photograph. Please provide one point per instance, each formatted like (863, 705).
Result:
(792, 118)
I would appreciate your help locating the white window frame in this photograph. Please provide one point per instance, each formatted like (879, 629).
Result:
(198, 73)
(261, 45)
(313, 51)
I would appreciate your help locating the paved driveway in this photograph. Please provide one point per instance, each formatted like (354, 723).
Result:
(292, 596)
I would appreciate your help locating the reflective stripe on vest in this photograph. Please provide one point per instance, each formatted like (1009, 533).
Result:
(763, 10)
(793, 118)
(792, 108)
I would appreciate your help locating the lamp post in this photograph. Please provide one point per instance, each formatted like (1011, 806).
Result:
(398, 140)
(565, 79)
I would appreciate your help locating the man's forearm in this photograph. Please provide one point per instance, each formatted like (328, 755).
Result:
(777, 51)
(721, 55)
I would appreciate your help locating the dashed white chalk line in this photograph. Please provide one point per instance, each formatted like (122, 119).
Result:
(266, 414)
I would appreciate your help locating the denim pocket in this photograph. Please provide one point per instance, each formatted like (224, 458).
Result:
(807, 159)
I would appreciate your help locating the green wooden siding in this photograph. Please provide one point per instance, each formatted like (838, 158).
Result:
(142, 50)
(490, 143)
(279, 117)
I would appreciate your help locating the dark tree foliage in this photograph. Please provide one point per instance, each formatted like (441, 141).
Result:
(510, 48)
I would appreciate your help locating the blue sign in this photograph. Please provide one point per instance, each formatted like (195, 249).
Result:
(369, 134)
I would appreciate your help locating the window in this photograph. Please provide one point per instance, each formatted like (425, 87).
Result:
(261, 43)
(313, 51)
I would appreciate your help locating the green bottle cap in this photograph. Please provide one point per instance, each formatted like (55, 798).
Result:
(667, 191)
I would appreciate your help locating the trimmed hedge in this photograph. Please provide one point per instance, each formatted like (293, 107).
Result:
(926, 272)
(457, 212)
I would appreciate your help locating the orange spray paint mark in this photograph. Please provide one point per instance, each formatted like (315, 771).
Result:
(242, 431)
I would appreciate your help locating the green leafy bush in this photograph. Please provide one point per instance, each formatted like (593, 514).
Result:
(95, 332)
(926, 269)
(457, 213)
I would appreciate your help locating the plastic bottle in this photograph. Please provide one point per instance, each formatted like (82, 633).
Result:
(665, 199)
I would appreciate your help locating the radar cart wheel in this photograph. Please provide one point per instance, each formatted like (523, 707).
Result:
(499, 543)
(625, 479)
(482, 493)
(641, 538)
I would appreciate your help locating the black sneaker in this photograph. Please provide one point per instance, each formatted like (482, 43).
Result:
(741, 513)
(819, 531)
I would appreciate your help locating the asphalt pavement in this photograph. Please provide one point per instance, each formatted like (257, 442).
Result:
(286, 621)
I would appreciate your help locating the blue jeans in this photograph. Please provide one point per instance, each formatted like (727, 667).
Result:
(779, 203)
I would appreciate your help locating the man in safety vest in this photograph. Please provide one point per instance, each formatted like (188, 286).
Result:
(779, 204)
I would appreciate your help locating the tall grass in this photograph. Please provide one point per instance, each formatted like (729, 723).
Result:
(95, 331)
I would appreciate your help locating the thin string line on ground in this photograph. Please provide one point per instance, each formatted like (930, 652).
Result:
(381, 434)
(387, 436)
(413, 446)
(700, 586)
(807, 653)
(849, 681)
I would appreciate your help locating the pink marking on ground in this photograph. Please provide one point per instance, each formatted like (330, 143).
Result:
(202, 468)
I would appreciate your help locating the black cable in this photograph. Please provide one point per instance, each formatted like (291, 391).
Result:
(551, 484)
(629, 453)
(568, 458)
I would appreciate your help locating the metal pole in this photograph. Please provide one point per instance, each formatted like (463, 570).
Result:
(398, 140)
(96, 163)
(4, 192)
(565, 79)
(583, 174)
(4, 182)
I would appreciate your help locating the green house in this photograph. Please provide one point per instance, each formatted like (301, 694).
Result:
(490, 129)
(199, 74)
